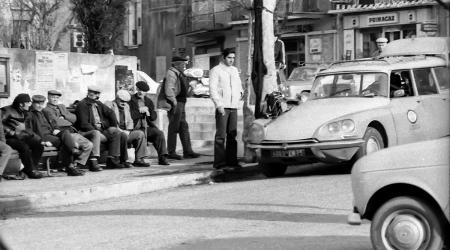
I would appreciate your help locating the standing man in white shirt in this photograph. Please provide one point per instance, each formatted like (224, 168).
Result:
(225, 89)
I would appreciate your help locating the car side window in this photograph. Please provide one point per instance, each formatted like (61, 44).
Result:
(425, 82)
(443, 77)
(401, 80)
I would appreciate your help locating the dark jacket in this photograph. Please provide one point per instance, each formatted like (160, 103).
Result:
(137, 116)
(11, 117)
(85, 116)
(69, 118)
(41, 123)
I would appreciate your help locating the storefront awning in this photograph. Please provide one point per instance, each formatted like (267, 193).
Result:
(380, 6)
(305, 16)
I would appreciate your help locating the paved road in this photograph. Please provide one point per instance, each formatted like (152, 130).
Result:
(305, 210)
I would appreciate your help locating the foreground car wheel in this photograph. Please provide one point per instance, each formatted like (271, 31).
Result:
(273, 169)
(373, 141)
(406, 223)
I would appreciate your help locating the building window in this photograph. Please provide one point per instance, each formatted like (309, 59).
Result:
(4, 76)
(133, 32)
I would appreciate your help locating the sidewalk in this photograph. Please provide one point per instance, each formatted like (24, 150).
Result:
(60, 190)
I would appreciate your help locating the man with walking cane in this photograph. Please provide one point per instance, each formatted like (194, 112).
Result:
(143, 114)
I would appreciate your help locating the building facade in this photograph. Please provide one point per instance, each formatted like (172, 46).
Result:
(361, 24)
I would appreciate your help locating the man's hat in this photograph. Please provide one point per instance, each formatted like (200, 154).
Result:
(38, 98)
(178, 59)
(382, 40)
(22, 98)
(93, 88)
(54, 92)
(142, 86)
(123, 95)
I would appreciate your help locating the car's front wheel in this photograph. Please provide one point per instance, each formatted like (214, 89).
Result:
(273, 169)
(405, 223)
(373, 141)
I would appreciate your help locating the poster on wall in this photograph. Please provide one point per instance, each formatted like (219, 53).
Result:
(45, 70)
(61, 64)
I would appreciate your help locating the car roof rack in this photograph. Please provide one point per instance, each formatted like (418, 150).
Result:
(352, 62)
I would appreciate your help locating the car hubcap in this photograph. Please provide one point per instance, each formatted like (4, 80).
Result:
(372, 145)
(405, 232)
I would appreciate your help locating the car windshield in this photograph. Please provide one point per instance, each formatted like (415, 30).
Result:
(302, 74)
(350, 85)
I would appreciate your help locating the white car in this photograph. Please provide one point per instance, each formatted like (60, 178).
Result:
(404, 191)
(356, 108)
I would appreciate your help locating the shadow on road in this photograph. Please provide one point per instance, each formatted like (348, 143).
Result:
(299, 243)
(203, 213)
(254, 172)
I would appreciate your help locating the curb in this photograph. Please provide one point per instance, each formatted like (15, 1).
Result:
(85, 194)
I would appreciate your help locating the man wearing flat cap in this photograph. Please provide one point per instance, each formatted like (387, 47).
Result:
(44, 125)
(381, 42)
(176, 90)
(65, 120)
(130, 135)
(20, 138)
(143, 114)
(94, 116)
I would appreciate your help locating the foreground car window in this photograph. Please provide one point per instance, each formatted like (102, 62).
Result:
(302, 74)
(350, 85)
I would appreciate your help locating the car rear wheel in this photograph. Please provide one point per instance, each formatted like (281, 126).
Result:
(273, 169)
(373, 141)
(406, 223)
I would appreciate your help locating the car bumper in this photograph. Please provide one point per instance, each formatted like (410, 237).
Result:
(330, 151)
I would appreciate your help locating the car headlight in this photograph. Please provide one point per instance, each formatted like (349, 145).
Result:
(337, 130)
(256, 133)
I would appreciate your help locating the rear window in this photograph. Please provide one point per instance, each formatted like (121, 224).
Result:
(443, 77)
(425, 82)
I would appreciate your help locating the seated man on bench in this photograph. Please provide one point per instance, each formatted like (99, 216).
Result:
(44, 125)
(19, 138)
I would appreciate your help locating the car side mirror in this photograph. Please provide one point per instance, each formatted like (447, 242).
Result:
(399, 93)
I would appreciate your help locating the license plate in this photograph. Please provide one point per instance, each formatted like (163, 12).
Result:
(288, 153)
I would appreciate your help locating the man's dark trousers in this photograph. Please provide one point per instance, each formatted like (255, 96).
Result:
(226, 128)
(30, 151)
(156, 137)
(178, 124)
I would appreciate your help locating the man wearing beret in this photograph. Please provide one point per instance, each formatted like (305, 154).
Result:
(66, 120)
(44, 124)
(20, 138)
(93, 115)
(176, 90)
(143, 114)
(130, 135)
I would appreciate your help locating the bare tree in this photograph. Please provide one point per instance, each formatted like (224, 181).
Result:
(102, 21)
(35, 23)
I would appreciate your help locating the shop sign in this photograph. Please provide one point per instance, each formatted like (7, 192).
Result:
(315, 45)
(429, 27)
(382, 19)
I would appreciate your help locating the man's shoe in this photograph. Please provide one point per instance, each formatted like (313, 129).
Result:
(93, 166)
(34, 174)
(191, 155)
(235, 166)
(113, 163)
(141, 163)
(126, 164)
(72, 171)
(174, 156)
(162, 160)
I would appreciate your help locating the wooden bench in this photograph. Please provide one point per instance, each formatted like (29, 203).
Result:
(14, 162)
